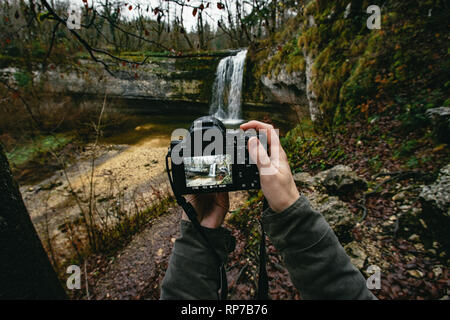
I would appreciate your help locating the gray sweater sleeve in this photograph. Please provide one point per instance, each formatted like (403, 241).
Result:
(193, 271)
(318, 265)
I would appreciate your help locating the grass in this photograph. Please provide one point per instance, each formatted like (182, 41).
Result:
(37, 147)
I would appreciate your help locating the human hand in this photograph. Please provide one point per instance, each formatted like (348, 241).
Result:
(211, 208)
(277, 182)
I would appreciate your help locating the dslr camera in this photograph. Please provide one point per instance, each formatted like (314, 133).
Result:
(209, 158)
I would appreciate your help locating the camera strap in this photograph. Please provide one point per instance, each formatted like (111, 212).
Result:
(263, 280)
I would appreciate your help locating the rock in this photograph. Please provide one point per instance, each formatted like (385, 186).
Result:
(424, 225)
(440, 119)
(357, 254)
(285, 87)
(340, 180)
(304, 179)
(435, 200)
(51, 185)
(437, 270)
(399, 196)
(336, 212)
(161, 78)
(415, 273)
(405, 208)
(437, 195)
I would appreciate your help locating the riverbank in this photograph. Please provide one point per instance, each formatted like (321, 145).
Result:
(112, 178)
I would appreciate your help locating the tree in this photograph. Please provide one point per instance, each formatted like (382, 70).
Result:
(25, 270)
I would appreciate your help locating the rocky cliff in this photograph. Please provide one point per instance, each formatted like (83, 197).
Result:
(187, 79)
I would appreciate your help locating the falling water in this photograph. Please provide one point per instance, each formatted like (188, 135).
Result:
(227, 89)
(212, 170)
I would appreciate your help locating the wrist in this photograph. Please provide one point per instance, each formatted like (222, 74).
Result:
(206, 223)
(286, 201)
(210, 223)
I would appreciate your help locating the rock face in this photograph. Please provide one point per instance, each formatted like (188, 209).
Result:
(440, 117)
(187, 79)
(286, 88)
(292, 88)
(435, 199)
(340, 180)
(336, 212)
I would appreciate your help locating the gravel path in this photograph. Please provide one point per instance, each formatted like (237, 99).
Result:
(137, 270)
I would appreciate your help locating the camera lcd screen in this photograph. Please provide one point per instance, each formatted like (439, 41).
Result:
(208, 171)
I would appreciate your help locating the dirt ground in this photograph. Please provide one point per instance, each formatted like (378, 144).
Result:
(123, 175)
(137, 270)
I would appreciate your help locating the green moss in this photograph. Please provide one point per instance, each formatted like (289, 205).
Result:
(37, 147)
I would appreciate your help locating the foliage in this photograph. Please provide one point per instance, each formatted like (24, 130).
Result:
(359, 72)
(110, 239)
(38, 148)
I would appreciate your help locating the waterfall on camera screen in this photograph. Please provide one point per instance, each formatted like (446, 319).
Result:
(227, 88)
(212, 170)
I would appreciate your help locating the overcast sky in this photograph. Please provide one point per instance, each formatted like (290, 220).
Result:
(212, 14)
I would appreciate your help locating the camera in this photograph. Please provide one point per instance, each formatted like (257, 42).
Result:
(209, 158)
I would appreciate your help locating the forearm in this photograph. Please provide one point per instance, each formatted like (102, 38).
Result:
(193, 271)
(317, 263)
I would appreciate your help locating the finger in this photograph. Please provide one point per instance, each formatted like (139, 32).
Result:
(256, 125)
(275, 148)
(272, 137)
(257, 153)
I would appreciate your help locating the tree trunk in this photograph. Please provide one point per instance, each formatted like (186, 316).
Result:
(25, 270)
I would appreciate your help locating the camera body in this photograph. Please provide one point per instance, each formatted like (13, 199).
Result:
(211, 159)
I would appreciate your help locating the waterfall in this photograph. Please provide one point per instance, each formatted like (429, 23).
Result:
(212, 170)
(227, 88)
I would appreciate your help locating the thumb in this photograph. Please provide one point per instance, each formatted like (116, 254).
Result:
(257, 153)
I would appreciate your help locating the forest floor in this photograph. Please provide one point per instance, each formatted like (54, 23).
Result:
(414, 265)
(136, 271)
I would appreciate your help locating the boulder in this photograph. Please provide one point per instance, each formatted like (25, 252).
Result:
(440, 119)
(437, 195)
(304, 179)
(340, 180)
(336, 212)
(435, 199)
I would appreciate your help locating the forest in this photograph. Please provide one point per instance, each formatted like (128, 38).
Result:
(92, 91)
